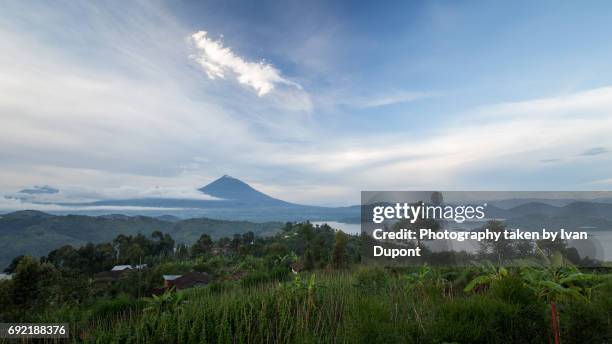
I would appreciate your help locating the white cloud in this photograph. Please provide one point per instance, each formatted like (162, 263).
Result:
(131, 114)
(504, 138)
(83, 194)
(219, 61)
(11, 204)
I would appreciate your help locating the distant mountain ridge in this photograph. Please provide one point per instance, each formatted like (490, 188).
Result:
(231, 199)
(36, 233)
(578, 209)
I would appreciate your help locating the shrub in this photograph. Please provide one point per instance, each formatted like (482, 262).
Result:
(583, 322)
(371, 280)
(277, 274)
(108, 309)
(483, 319)
(369, 321)
(513, 290)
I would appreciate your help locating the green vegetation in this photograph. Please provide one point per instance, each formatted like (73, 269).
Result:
(36, 233)
(255, 298)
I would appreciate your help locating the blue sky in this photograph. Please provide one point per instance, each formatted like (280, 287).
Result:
(308, 101)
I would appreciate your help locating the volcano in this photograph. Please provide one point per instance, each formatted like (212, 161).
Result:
(229, 199)
(233, 189)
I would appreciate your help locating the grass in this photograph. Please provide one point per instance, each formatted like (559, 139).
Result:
(367, 305)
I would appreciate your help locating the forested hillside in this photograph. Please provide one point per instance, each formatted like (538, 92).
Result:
(36, 233)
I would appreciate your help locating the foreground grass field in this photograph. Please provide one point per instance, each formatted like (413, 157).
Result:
(365, 305)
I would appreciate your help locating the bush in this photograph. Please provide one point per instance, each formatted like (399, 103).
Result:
(371, 280)
(583, 322)
(110, 309)
(369, 321)
(512, 290)
(484, 319)
(257, 277)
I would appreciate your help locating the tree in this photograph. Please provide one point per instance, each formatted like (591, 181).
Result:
(164, 244)
(248, 238)
(437, 198)
(306, 231)
(31, 283)
(11, 268)
(501, 249)
(319, 250)
(182, 251)
(65, 256)
(550, 248)
(339, 254)
(135, 253)
(224, 242)
(432, 224)
(308, 260)
(236, 242)
(202, 246)
(288, 226)
(277, 249)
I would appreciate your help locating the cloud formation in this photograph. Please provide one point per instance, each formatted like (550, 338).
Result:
(76, 195)
(391, 98)
(594, 151)
(219, 61)
(118, 120)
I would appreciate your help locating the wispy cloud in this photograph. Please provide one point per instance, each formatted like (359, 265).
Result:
(220, 62)
(594, 151)
(548, 161)
(133, 112)
(390, 98)
(513, 136)
(12, 204)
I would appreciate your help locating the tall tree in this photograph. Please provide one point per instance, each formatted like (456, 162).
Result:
(202, 246)
(339, 254)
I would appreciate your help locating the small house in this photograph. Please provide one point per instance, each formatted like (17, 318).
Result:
(192, 279)
(117, 272)
(169, 280)
(188, 280)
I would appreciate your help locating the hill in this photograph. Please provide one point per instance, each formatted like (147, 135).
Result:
(534, 208)
(36, 233)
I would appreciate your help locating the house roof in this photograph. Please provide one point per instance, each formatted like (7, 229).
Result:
(192, 279)
(171, 277)
(128, 267)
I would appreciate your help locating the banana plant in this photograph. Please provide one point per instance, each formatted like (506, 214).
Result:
(490, 273)
(160, 303)
(558, 281)
(420, 277)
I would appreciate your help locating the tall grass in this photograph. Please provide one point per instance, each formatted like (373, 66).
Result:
(365, 306)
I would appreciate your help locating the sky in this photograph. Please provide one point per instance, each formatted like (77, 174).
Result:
(310, 102)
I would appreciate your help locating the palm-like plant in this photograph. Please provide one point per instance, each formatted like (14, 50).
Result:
(489, 274)
(557, 281)
(160, 303)
(425, 280)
